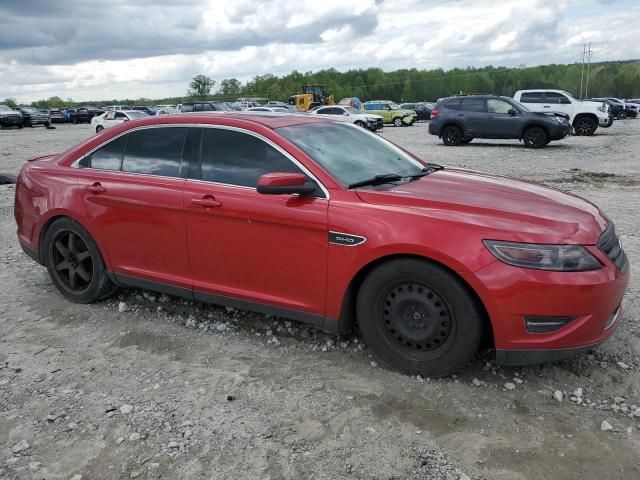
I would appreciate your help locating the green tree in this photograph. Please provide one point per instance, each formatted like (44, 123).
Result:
(230, 88)
(10, 102)
(200, 86)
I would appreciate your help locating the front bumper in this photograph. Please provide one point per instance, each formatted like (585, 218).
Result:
(603, 121)
(559, 133)
(592, 299)
(11, 120)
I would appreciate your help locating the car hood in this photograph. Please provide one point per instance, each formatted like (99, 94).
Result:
(504, 208)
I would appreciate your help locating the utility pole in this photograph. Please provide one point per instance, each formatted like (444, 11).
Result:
(589, 52)
(584, 50)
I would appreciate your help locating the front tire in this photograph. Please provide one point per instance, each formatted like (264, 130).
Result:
(622, 115)
(359, 123)
(397, 122)
(419, 318)
(74, 262)
(99, 128)
(452, 136)
(535, 137)
(585, 126)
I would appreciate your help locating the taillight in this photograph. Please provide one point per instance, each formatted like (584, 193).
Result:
(434, 112)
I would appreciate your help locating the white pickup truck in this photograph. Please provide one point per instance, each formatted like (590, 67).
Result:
(583, 115)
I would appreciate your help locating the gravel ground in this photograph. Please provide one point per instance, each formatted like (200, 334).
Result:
(148, 386)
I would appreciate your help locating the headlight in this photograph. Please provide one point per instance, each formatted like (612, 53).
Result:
(559, 258)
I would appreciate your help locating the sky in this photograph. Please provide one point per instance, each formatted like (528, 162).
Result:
(87, 50)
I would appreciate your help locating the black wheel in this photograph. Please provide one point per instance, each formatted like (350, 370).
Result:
(535, 137)
(74, 262)
(359, 123)
(419, 318)
(452, 135)
(397, 122)
(7, 178)
(21, 126)
(622, 115)
(74, 121)
(585, 126)
(99, 128)
(467, 140)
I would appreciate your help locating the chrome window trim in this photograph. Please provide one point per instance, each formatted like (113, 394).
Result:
(325, 191)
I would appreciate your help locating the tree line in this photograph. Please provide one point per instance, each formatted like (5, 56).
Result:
(617, 79)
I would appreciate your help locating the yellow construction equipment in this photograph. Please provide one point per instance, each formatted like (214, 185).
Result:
(312, 96)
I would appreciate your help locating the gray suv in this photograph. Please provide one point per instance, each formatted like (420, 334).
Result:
(458, 120)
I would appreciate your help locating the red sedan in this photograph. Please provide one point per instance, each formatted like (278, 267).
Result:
(328, 224)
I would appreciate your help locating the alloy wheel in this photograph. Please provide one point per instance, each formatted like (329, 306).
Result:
(71, 261)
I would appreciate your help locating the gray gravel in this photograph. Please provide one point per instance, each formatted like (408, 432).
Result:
(147, 386)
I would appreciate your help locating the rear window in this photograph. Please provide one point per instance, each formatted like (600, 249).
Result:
(473, 104)
(532, 97)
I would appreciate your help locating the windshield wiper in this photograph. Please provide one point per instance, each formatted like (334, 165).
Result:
(394, 177)
(377, 180)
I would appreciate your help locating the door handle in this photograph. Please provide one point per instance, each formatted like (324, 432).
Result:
(546, 106)
(96, 188)
(460, 115)
(489, 116)
(208, 201)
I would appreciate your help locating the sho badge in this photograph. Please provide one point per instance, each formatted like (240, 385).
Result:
(345, 239)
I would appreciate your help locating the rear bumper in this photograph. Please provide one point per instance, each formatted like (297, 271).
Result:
(34, 254)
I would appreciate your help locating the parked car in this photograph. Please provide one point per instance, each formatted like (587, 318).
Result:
(10, 117)
(84, 114)
(616, 111)
(326, 223)
(56, 115)
(114, 117)
(267, 109)
(350, 114)
(458, 120)
(354, 102)
(629, 109)
(390, 112)
(117, 107)
(584, 116)
(142, 108)
(204, 107)
(422, 111)
(165, 108)
(32, 117)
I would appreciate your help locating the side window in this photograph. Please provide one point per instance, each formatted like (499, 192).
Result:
(498, 106)
(155, 151)
(111, 115)
(473, 105)
(186, 108)
(532, 97)
(238, 158)
(556, 98)
(120, 116)
(207, 107)
(323, 111)
(108, 157)
(454, 104)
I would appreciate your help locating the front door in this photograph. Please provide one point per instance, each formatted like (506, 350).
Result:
(499, 122)
(132, 193)
(265, 249)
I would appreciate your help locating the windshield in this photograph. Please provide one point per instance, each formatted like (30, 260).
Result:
(394, 106)
(352, 110)
(519, 105)
(4, 108)
(569, 95)
(349, 153)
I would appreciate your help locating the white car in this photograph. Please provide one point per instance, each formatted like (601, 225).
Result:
(114, 117)
(585, 116)
(268, 109)
(350, 114)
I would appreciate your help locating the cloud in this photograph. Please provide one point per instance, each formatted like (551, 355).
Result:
(153, 48)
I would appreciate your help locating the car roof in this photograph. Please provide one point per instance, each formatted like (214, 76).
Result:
(270, 120)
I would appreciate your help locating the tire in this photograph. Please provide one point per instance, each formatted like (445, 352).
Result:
(74, 121)
(535, 137)
(359, 123)
(622, 115)
(397, 122)
(419, 318)
(21, 125)
(585, 126)
(99, 128)
(467, 140)
(74, 262)
(452, 136)
(7, 179)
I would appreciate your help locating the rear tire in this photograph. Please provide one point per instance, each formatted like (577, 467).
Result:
(452, 136)
(99, 128)
(585, 126)
(622, 115)
(535, 137)
(74, 262)
(419, 318)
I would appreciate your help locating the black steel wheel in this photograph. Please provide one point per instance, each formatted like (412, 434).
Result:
(585, 126)
(452, 136)
(622, 115)
(74, 262)
(535, 137)
(418, 317)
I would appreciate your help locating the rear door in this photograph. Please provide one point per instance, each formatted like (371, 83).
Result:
(266, 249)
(499, 123)
(131, 189)
(473, 115)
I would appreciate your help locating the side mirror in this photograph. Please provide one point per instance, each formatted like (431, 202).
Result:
(346, 114)
(512, 112)
(285, 184)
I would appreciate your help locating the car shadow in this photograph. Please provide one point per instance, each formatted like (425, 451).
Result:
(552, 145)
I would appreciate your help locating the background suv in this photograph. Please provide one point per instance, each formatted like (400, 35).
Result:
(458, 120)
(390, 112)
